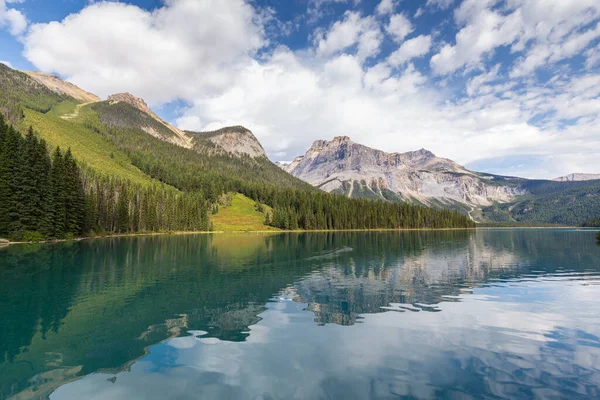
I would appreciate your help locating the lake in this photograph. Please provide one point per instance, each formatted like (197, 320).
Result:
(505, 313)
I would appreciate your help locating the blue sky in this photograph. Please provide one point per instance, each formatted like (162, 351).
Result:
(502, 86)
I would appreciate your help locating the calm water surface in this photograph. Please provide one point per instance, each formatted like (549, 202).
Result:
(455, 314)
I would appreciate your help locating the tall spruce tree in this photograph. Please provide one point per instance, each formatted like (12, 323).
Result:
(10, 177)
(57, 215)
(74, 197)
(122, 211)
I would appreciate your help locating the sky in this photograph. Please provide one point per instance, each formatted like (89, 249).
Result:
(502, 86)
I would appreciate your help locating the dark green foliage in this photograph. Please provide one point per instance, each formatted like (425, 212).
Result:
(121, 116)
(74, 196)
(545, 188)
(296, 205)
(294, 209)
(53, 197)
(593, 223)
(558, 203)
(123, 212)
(114, 206)
(36, 166)
(57, 212)
(39, 197)
(43, 198)
(11, 177)
(18, 89)
(202, 168)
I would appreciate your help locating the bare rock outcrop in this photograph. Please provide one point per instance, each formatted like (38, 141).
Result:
(235, 140)
(577, 177)
(343, 166)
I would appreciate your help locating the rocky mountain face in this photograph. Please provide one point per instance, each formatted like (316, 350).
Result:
(577, 178)
(235, 140)
(345, 167)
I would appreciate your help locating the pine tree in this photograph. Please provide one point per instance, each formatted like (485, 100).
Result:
(74, 197)
(10, 178)
(123, 211)
(57, 215)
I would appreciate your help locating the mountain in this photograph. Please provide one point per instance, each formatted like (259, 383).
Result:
(175, 136)
(342, 166)
(137, 173)
(234, 140)
(563, 203)
(61, 87)
(345, 167)
(577, 177)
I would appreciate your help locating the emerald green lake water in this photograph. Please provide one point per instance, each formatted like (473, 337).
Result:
(445, 314)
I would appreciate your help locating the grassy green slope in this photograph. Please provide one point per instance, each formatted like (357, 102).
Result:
(18, 89)
(27, 103)
(183, 168)
(241, 215)
(87, 146)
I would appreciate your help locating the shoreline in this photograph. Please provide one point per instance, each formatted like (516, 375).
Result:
(78, 239)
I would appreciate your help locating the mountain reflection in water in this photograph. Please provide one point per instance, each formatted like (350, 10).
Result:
(73, 309)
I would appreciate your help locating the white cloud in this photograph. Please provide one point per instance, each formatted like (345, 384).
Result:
(480, 84)
(317, 9)
(386, 7)
(352, 30)
(8, 64)
(443, 4)
(593, 57)
(399, 27)
(546, 30)
(412, 48)
(11, 18)
(176, 51)
(484, 31)
(545, 53)
(335, 86)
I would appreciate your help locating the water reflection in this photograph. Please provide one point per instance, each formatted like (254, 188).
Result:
(72, 309)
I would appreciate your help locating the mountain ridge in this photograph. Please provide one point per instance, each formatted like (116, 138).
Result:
(575, 177)
(123, 138)
(237, 140)
(343, 166)
(224, 138)
(58, 85)
(180, 138)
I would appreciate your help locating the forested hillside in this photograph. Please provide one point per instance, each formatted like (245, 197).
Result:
(19, 90)
(296, 205)
(100, 169)
(561, 203)
(45, 196)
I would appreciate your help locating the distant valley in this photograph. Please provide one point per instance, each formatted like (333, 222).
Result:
(124, 138)
(344, 167)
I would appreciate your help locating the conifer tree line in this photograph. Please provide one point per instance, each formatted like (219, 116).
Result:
(47, 196)
(40, 196)
(296, 209)
(295, 204)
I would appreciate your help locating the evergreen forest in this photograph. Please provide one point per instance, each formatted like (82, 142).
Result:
(46, 194)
